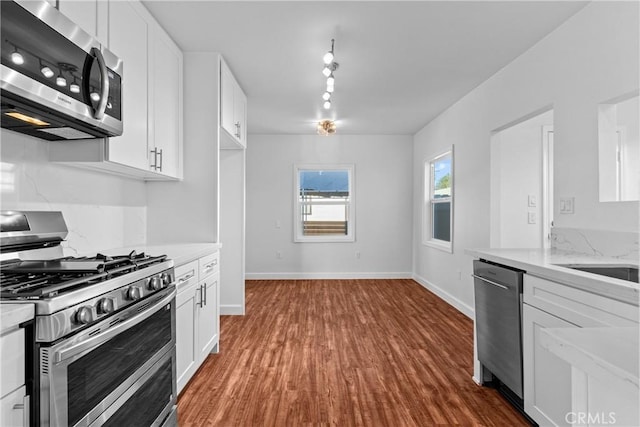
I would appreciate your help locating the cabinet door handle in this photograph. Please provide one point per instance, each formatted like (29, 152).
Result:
(154, 165)
(237, 130)
(200, 303)
(24, 406)
(205, 293)
(161, 157)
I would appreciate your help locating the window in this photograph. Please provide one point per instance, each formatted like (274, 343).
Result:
(438, 202)
(324, 203)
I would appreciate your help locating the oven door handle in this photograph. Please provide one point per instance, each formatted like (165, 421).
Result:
(96, 340)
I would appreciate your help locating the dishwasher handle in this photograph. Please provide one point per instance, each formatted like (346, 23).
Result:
(475, 276)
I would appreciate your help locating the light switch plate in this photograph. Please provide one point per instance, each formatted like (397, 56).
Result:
(567, 205)
(532, 201)
(531, 218)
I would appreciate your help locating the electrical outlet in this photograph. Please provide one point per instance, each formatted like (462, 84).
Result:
(357, 254)
(278, 255)
(531, 217)
(278, 224)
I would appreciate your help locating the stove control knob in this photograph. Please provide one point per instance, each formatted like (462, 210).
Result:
(134, 293)
(84, 315)
(155, 283)
(105, 306)
(166, 279)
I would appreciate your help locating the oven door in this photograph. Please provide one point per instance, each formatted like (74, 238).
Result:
(89, 377)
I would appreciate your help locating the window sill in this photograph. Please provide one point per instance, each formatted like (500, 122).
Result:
(324, 239)
(440, 245)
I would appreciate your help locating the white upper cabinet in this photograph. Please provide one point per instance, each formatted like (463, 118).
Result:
(129, 39)
(91, 15)
(150, 146)
(165, 139)
(233, 111)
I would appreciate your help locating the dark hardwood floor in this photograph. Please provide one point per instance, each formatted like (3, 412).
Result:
(342, 353)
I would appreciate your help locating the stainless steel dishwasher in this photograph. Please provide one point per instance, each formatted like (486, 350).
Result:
(498, 304)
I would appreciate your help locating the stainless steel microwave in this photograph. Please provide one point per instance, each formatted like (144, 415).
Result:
(57, 81)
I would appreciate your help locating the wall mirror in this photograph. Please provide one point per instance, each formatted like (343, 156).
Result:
(619, 149)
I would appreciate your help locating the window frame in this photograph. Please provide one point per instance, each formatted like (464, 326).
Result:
(429, 200)
(298, 236)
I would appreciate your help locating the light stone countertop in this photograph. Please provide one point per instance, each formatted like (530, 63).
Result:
(609, 354)
(543, 263)
(12, 314)
(180, 253)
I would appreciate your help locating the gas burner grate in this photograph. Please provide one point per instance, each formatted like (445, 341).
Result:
(46, 279)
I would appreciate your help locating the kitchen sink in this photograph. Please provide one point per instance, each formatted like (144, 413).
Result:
(624, 272)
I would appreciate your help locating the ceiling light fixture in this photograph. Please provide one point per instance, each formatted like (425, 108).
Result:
(74, 87)
(46, 71)
(331, 80)
(16, 57)
(61, 81)
(326, 127)
(328, 57)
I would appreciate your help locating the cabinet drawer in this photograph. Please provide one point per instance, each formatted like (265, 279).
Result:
(186, 275)
(209, 264)
(14, 409)
(12, 357)
(577, 306)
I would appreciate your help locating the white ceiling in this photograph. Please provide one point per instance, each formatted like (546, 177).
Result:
(401, 62)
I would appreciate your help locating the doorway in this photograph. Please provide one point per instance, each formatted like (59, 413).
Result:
(522, 183)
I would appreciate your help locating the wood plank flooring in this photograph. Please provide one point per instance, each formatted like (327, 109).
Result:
(342, 353)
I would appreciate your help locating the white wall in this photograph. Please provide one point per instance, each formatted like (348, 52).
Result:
(101, 211)
(383, 207)
(187, 211)
(232, 231)
(591, 58)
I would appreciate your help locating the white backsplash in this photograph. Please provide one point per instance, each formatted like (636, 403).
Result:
(616, 244)
(101, 211)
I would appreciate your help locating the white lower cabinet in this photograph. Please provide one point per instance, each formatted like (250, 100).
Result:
(197, 315)
(547, 378)
(549, 382)
(208, 315)
(14, 402)
(187, 317)
(14, 409)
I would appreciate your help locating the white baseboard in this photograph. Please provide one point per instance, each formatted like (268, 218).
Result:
(446, 296)
(231, 310)
(310, 276)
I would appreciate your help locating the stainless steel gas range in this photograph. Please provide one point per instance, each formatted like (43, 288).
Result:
(101, 350)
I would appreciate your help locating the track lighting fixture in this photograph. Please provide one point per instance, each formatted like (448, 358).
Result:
(329, 67)
(61, 81)
(46, 71)
(74, 87)
(328, 127)
(328, 57)
(16, 57)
